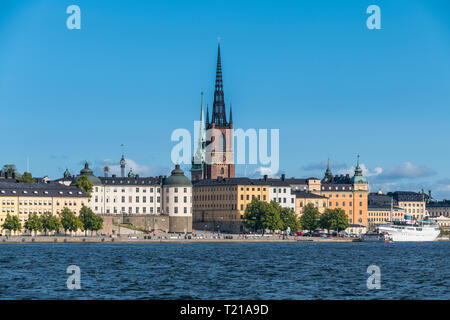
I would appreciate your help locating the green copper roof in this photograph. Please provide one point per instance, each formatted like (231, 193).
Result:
(358, 178)
(177, 178)
(89, 174)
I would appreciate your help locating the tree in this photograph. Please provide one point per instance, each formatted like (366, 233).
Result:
(310, 217)
(34, 223)
(338, 220)
(98, 223)
(289, 219)
(325, 219)
(84, 184)
(254, 212)
(69, 221)
(12, 223)
(271, 219)
(27, 178)
(90, 220)
(50, 222)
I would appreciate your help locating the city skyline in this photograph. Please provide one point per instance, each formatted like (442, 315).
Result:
(334, 89)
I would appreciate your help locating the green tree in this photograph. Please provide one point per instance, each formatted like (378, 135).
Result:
(254, 212)
(310, 217)
(70, 221)
(50, 222)
(98, 223)
(12, 223)
(84, 184)
(325, 219)
(289, 219)
(90, 220)
(260, 215)
(338, 221)
(271, 219)
(34, 223)
(27, 178)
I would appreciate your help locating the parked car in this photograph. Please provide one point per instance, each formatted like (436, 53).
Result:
(307, 234)
(299, 233)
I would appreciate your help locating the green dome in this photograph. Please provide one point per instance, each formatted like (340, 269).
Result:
(90, 175)
(177, 178)
(358, 178)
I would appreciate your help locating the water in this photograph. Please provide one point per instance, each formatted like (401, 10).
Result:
(225, 271)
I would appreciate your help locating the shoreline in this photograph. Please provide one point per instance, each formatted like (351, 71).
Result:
(58, 239)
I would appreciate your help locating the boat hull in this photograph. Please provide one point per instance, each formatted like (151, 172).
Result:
(411, 234)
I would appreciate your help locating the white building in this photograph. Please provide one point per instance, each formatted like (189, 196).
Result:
(280, 191)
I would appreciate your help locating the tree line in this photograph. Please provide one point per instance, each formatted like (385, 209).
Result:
(47, 222)
(260, 215)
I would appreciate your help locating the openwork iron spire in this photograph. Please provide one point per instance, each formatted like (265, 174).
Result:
(219, 117)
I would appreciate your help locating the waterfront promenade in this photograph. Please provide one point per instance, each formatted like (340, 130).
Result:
(167, 239)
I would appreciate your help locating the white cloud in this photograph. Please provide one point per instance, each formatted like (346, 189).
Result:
(264, 171)
(366, 171)
(140, 169)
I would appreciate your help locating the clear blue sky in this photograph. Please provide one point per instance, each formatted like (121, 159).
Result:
(134, 73)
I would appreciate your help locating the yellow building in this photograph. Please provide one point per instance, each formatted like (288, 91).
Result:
(219, 204)
(21, 199)
(303, 198)
(413, 203)
(349, 194)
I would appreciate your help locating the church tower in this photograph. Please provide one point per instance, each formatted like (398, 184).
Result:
(219, 136)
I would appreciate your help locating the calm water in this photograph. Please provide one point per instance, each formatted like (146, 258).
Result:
(225, 271)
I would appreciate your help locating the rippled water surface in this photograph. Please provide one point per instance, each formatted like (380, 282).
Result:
(225, 270)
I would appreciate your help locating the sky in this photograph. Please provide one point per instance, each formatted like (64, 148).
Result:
(134, 72)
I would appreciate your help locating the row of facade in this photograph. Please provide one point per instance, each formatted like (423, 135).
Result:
(214, 203)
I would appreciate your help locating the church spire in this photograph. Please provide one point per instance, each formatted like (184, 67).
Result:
(231, 114)
(328, 175)
(219, 117)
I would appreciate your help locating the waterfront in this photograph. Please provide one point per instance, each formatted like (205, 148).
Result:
(225, 270)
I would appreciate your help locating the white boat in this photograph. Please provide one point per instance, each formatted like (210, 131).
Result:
(376, 237)
(408, 230)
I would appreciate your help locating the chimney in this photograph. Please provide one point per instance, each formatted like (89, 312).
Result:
(137, 176)
(13, 175)
(429, 194)
(265, 177)
(113, 175)
(283, 177)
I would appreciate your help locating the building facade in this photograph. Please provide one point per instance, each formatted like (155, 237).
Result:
(21, 199)
(349, 194)
(133, 195)
(439, 208)
(303, 198)
(220, 204)
(413, 203)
